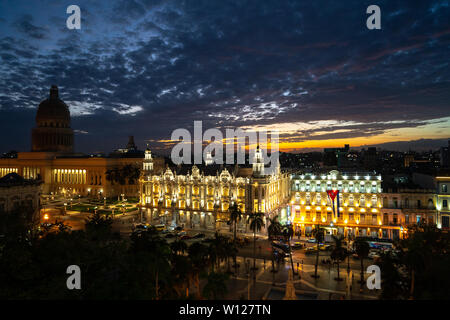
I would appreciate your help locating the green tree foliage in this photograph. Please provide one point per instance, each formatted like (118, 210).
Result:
(127, 174)
(362, 249)
(319, 235)
(419, 269)
(274, 229)
(216, 287)
(256, 223)
(338, 253)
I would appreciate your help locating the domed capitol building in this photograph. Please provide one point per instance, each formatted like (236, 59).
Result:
(52, 158)
(53, 132)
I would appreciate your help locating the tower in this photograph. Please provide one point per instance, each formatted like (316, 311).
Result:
(131, 146)
(52, 132)
(258, 163)
(148, 161)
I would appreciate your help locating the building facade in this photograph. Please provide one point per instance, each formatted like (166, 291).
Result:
(404, 207)
(62, 172)
(360, 204)
(21, 195)
(201, 196)
(443, 201)
(366, 209)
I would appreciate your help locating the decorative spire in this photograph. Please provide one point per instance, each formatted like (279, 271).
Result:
(290, 289)
(131, 145)
(54, 92)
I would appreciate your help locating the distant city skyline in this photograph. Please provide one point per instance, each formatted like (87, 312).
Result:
(145, 68)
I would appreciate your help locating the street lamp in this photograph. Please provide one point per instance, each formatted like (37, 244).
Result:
(348, 252)
(65, 207)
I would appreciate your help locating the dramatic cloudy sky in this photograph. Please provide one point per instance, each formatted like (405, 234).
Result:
(308, 68)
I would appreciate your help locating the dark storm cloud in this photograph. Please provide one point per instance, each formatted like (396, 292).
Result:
(24, 24)
(149, 67)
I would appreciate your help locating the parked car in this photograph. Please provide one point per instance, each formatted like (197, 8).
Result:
(310, 250)
(373, 255)
(297, 245)
(198, 236)
(185, 237)
(280, 255)
(140, 228)
(311, 240)
(169, 235)
(281, 246)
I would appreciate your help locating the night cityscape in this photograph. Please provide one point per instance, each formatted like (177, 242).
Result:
(224, 151)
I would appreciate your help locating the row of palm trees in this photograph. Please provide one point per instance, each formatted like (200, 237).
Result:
(222, 248)
(338, 254)
(255, 220)
(188, 264)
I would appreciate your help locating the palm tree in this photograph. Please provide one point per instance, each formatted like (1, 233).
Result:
(362, 250)
(182, 274)
(155, 249)
(288, 233)
(216, 286)
(319, 235)
(256, 223)
(218, 248)
(112, 176)
(126, 174)
(235, 216)
(338, 253)
(274, 228)
(198, 254)
(231, 251)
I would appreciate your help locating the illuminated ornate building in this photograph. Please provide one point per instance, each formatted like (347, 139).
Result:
(366, 209)
(200, 196)
(62, 171)
(404, 207)
(17, 193)
(359, 197)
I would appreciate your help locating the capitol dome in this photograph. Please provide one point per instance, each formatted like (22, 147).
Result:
(52, 132)
(53, 112)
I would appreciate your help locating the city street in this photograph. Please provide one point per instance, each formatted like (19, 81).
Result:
(268, 285)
